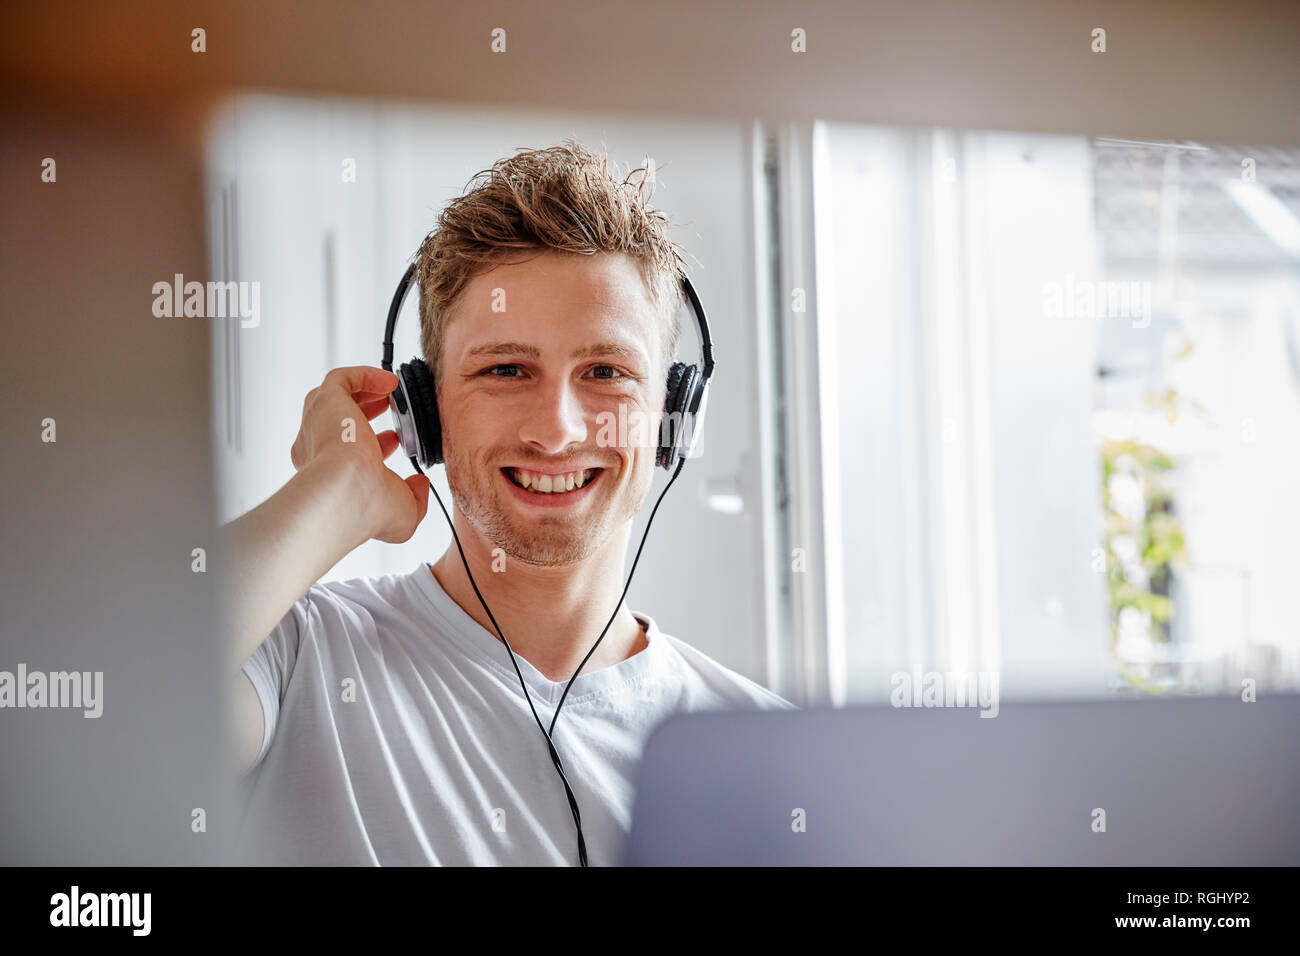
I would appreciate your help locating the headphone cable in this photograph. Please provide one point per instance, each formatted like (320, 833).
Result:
(555, 756)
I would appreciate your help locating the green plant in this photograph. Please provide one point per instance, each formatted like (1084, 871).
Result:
(1144, 542)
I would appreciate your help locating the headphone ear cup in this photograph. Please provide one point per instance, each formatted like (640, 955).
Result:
(681, 379)
(424, 410)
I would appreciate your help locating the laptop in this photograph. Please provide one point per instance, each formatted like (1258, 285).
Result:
(1168, 782)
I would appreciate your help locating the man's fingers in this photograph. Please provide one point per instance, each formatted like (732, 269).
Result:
(388, 442)
(419, 486)
(372, 409)
(366, 380)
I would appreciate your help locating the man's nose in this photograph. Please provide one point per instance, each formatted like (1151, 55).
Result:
(556, 419)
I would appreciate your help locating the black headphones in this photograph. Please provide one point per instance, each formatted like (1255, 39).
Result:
(414, 405)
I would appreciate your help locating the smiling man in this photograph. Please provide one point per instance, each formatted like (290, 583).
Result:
(381, 719)
(524, 416)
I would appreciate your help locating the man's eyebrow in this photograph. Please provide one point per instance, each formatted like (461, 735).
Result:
(532, 352)
(606, 348)
(505, 348)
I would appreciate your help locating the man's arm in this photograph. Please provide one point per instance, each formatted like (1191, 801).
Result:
(279, 550)
(283, 546)
(342, 496)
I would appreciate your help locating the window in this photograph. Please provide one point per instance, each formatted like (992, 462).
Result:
(1059, 389)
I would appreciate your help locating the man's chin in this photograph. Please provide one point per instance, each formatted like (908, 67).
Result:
(541, 540)
(547, 554)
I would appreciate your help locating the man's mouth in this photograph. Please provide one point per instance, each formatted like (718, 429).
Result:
(540, 484)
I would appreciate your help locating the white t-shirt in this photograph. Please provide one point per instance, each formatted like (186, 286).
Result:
(437, 759)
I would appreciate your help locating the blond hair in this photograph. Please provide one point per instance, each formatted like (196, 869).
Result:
(564, 199)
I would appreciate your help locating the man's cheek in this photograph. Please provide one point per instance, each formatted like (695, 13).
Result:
(627, 427)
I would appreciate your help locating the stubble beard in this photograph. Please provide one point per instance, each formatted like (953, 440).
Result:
(543, 539)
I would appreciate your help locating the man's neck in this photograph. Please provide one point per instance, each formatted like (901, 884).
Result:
(550, 616)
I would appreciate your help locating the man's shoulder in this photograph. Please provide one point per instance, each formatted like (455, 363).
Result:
(733, 687)
(378, 590)
(344, 607)
(382, 589)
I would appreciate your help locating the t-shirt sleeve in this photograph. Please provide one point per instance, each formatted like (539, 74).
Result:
(271, 666)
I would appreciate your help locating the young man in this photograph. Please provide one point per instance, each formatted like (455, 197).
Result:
(382, 718)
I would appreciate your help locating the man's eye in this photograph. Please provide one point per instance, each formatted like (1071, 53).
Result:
(617, 372)
(493, 370)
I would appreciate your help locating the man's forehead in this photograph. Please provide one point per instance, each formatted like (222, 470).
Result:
(601, 301)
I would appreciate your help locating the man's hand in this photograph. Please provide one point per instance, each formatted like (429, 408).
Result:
(336, 430)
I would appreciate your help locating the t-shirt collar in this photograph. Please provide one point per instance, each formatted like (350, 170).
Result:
(474, 639)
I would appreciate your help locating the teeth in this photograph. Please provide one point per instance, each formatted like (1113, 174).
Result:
(551, 484)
